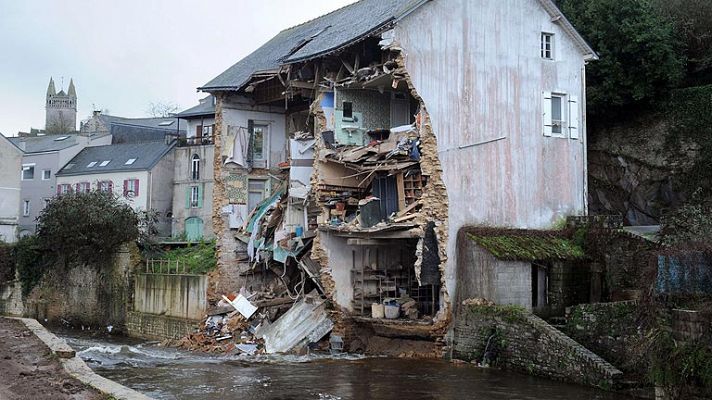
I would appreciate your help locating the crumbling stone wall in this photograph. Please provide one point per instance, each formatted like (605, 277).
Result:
(525, 342)
(610, 330)
(158, 327)
(88, 295)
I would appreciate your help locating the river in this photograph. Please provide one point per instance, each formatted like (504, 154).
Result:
(166, 373)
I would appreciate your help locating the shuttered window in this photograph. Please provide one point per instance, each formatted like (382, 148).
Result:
(131, 188)
(560, 114)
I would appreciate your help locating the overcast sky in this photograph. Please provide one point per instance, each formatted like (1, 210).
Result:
(125, 54)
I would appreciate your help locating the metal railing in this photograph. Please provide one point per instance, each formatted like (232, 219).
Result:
(196, 141)
(166, 267)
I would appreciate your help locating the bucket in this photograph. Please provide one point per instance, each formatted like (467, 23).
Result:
(377, 310)
(392, 311)
(299, 231)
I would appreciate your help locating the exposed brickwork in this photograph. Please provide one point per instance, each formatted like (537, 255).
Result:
(527, 343)
(158, 327)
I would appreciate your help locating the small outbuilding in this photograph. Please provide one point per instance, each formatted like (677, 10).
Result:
(543, 271)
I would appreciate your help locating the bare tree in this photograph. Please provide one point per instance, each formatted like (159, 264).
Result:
(162, 109)
(59, 124)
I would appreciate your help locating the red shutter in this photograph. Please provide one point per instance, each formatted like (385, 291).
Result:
(126, 187)
(111, 186)
(136, 187)
(59, 189)
(78, 188)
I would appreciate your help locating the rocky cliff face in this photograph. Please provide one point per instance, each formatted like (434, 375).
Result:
(635, 172)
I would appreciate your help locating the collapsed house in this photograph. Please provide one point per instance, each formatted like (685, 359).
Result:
(355, 146)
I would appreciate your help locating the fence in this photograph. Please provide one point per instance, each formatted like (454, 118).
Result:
(166, 267)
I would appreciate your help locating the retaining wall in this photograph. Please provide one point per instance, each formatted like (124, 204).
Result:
(526, 343)
(180, 296)
(158, 327)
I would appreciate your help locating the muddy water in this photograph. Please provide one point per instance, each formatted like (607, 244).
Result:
(170, 374)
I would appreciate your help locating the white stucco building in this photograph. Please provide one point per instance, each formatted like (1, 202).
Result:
(11, 162)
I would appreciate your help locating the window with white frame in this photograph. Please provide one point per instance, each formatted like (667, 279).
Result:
(256, 192)
(25, 208)
(83, 187)
(46, 174)
(28, 172)
(64, 188)
(259, 138)
(547, 46)
(195, 167)
(131, 188)
(561, 115)
(194, 197)
(104, 186)
(104, 163)
(47, 200)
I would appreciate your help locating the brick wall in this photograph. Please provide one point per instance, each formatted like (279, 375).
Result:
(690, 326)
(569, 283)
(526, 343)
(158, 327)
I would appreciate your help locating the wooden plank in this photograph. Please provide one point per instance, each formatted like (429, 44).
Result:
(401, 192)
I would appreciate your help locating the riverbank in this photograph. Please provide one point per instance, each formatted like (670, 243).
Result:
(29, 370)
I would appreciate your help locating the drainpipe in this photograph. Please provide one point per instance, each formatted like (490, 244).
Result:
(584, 139)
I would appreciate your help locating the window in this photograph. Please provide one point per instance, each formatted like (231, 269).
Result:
(198, 131)
(105, 186)
(104, 163)
(208, 130)
(26, 208)
(83, 187)
(255, 192)
(547, 46)
(194, 196)
(69, 166)
(195, 167)
(258, 145)
(554, 114)
(130, 161)
(64, 188)
(130, 188)
(47, 201)
(166, 123)
(91, 164)
(557, 114)
(46, 174)
(28, 172)
(348, 110)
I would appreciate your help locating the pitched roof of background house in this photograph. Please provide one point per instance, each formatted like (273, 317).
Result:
(206, 107)
(141, 130)
(44, 143)
(338, 29)
(313, 38)
(525, 245)
(7, 139)
(145, 156)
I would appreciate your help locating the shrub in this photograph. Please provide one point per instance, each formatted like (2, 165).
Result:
(86, 227)
(32, 262)
(198, 259)
(7, 263)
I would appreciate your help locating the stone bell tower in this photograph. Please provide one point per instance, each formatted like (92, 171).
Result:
(61, 109)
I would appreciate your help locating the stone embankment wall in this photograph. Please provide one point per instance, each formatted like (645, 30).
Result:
(11, 299)
(85, 295)
(158, 327)
(521, 341)
(611, 330)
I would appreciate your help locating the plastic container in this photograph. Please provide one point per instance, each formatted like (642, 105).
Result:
(299, 231)
(378, 310)
(392, 311)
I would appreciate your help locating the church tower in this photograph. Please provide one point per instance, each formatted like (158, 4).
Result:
(61, 116)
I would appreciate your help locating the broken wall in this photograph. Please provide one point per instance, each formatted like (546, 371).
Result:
(484, 98)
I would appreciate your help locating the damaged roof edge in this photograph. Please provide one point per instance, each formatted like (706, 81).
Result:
(558, 17)
(386, 24)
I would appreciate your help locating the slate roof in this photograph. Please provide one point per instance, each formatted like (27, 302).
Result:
(314, 38)
(205, 108)
(338, 29)
(146, 154)
(141, 130)
(44, 143)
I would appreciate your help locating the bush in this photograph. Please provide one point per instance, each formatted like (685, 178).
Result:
(7, 263)
(198, 259)
(86, 227)
(33, 261)
(638, 48)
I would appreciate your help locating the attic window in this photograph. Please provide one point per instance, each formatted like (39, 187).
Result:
(130, 161)
(69, 166)
(166, 123)
(547, 46)
(59, 139)
(104, 163)
(91, 164)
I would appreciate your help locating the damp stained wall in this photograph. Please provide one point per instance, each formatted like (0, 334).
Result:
(479, 71)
